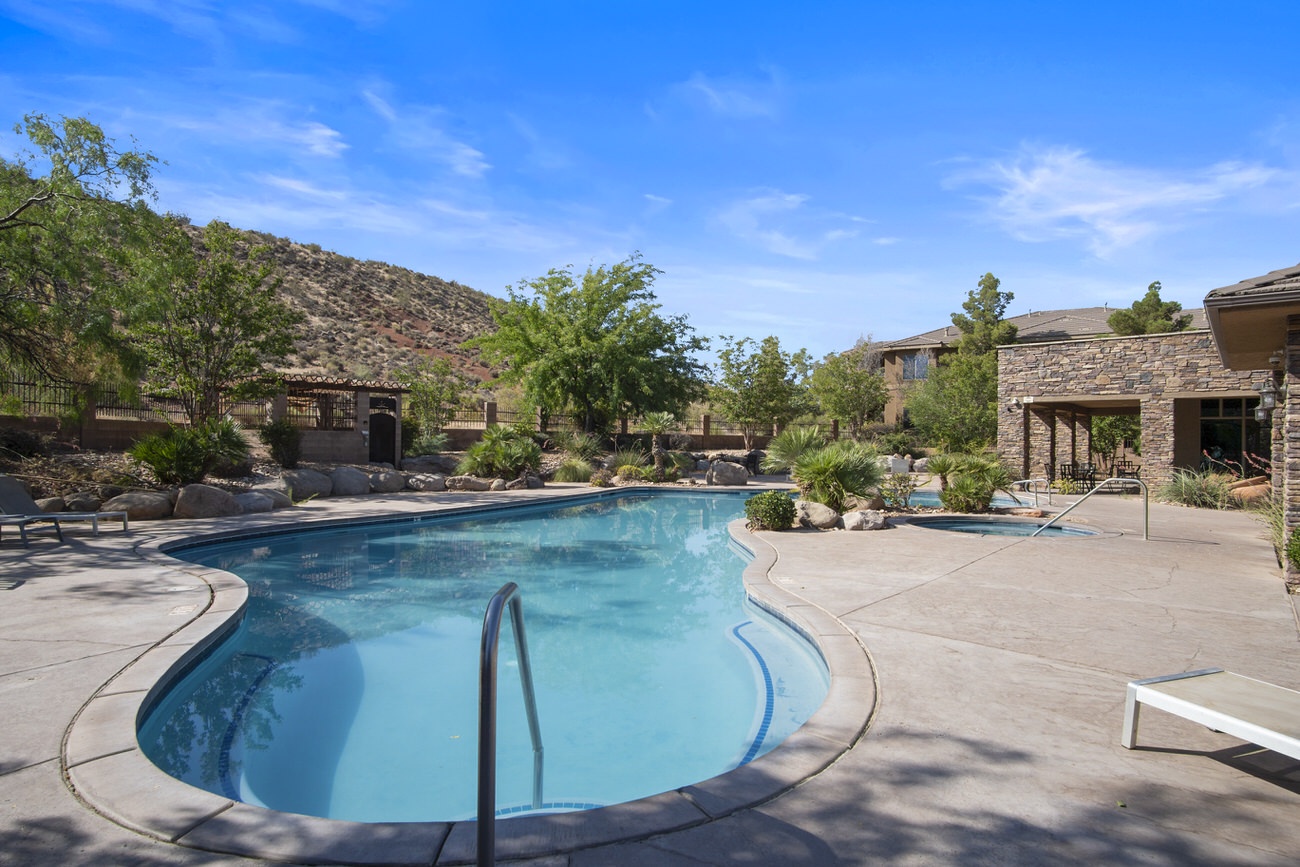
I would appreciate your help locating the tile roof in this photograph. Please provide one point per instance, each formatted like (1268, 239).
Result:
(1038, 326)
(1257, 288)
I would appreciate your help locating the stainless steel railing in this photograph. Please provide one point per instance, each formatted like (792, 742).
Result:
(487, 715)
(1146, 505)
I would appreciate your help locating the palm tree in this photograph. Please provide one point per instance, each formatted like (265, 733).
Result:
(657, 424)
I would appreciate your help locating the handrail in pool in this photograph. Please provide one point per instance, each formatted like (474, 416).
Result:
(1035, 490)
(1146, 505)
(487, 714)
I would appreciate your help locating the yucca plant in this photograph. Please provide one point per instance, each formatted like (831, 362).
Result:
(833, 474)
(786, 447)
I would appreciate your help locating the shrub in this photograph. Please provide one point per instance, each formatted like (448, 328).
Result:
(899, 442)
(23, 443)
(182, 456)
(897, 489)
(971, 481)
(574, 469)
(966, 494)
(632, 456)
(1270, 511)
(429, 444)
(786, 447)
(503, 453)
(1204, 490)
(578, 444)
(284, 441)
(1293, 549)
(771, 510)
(601, 479)
(832, 474)
(632, 473)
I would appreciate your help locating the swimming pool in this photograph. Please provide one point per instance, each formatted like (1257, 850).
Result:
(350, 688)
(995, 526)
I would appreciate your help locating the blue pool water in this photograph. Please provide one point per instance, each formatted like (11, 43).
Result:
(930, 497)
(350, 689)
(998, 526)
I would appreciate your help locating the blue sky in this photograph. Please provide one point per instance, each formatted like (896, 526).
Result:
(818, 171)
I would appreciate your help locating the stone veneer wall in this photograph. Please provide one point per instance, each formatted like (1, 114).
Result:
(1154, 370)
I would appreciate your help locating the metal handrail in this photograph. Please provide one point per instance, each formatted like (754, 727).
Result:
(487, 715)
(1035, 490)
(1146, 505)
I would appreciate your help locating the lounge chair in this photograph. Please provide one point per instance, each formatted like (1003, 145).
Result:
(18, 509)
(1250, 709)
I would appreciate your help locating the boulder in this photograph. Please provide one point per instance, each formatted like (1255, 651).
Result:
(515, 485)
(387, 482)
(255, 502)
(467, 483)
(84, 502)
(141, 505)
(55, 504)
(726, 473)
(497, 485)
(430, 464)
(279, 499)
(205, 501)
(1248, 494)
(305, 484)
(535, 482)
(864, 519)
(812, 514)
(348, 482)
(427, 482)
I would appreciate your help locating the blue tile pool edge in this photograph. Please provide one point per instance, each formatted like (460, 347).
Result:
(107, 770)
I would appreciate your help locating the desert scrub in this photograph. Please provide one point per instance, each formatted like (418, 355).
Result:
(897, 489)
(601, 479)
(284, 441)
(771, 510)
(633, 456)
(574, 469)
(1207, 490)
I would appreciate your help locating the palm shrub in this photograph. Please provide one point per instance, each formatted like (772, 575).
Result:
(786, 447)
(770, 510)
(943, 466)
(183, 456)
(833, 474)
(1204, 490)
(973, 480)
(657, 424)
(502, 453)
(284, 440)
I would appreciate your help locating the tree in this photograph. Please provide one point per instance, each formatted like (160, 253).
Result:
(956, 406)
(208, 320)
(1109, 432)
(759, 385)
(1149, 315)
(597, 349)
(436, 389)
(850, 386)
(71, 213)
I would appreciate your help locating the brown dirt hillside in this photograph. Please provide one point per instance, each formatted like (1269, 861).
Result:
(365, 319)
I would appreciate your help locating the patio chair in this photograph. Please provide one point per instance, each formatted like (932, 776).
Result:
(18, 509)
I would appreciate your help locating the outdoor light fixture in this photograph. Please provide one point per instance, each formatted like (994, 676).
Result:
(1267, 394)
(1275, 360)
(1261, 414)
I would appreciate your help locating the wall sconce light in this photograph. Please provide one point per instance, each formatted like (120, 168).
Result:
(1275, 360)
(1267, 394)
(1015, 405)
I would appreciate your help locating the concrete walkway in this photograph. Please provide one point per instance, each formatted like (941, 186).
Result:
(1000, 667)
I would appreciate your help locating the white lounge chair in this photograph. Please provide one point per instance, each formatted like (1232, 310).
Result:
(18, 509)
(1250, 709)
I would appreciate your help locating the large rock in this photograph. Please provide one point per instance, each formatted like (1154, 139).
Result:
(387, 482)
(1248, 494)
(427, 482)
(83, 502)
(305, 484)
(497, 485)
(279, 499)
(430, 464)
(55, 504)
(141, 505)
(467, 483)
(254, 502)
(812, 514)
(348, 482)
(205, 501)
(726, 473)
(865, 519)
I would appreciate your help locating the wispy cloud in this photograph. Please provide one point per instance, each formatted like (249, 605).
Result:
(734, 97)
(780, 224)
(420, 130)
(265, 122)
(1060, 193)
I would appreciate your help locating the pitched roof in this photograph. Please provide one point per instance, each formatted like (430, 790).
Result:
(1277, 282)
(1038, 326)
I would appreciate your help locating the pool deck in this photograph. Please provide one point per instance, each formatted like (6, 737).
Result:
(992, 705)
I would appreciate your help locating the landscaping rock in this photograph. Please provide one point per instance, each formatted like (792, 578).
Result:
(1248, 494)
(726, 473)
(304, 484)
(497, 485)
(812, 514)
(52, 504)
(141, 505)
(83, 502)
(535, 482)
(348, 482)
(205, 501)
(279, 499)
(387, 482)
(467, 483)
(864, 519)
(255, 502)
(444, 465)
(516, 485)
(426, 482)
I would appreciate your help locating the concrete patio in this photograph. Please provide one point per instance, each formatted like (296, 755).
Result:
(999, 667)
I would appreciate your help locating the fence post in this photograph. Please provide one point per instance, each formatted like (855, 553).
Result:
(489, 413)
(705, 422)
(835, 428)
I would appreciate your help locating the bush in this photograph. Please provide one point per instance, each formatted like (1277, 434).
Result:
(900, 443)
(972, 481)
(632, 456)
(503, 453)
(578, 444)
(183, 456)
(966, 494)
(786, 447)
(832, 474)
(632, 473)
(1204, 490)
(574, 469)
(601, 479)
(1293, 549)
(429, 444)
(23, 443)
(897, 489)
(771, 510)
(284, 441)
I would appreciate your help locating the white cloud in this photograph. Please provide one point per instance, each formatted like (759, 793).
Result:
(1058, 193)
(262, 123)
(780, 224)
(734, 98)
(419, 130)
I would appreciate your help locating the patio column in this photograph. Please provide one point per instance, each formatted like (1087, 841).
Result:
(1286, 460)
(1158, 425)
(1042, 442)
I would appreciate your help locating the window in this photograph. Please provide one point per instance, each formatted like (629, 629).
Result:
(915, 365)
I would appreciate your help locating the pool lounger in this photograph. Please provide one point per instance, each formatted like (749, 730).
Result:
(1250, 709)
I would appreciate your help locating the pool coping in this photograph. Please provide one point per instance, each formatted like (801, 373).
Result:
(107, 770)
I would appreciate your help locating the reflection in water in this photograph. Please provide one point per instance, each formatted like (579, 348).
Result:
(350, 690)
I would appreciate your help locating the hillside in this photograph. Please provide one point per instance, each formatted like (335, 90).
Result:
(365, 319)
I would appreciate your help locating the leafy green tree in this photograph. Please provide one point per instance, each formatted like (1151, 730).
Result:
(759, 385)
(1109, 433)
(210, 321)
(71, 212)
(850, 386)
(435, 390)
(1149, 315)
(956, 406)
(597, 348)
